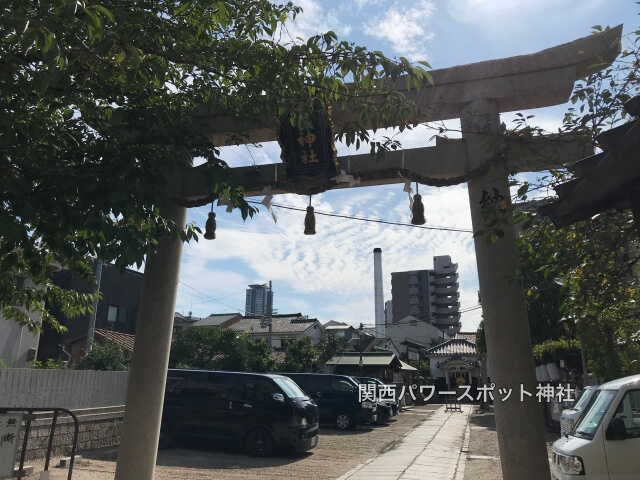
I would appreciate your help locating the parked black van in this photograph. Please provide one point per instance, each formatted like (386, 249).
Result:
(259, 411)
(338, 399)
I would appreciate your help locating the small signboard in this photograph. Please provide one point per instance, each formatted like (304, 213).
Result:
(10, 425)
(311, 152)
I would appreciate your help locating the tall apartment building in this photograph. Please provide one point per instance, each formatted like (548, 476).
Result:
(429, 295)
(257, 300)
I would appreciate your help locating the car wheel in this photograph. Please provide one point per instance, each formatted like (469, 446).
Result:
(343, 421)
(259, 442)
(167, 439)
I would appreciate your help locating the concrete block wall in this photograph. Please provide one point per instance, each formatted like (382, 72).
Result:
(96, 398)
(70, 389)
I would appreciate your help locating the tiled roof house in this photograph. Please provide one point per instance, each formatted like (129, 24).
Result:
(454, 363)
(222, 320)
(283, 327)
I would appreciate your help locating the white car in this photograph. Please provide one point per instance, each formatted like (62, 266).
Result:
(605, 443)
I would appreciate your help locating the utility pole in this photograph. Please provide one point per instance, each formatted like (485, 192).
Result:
(92, 318)
(269, 309)
(361, 364)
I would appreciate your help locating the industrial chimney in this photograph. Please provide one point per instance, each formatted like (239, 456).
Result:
(379, 296)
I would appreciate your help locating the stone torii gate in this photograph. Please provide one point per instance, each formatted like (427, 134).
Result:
(475, 93)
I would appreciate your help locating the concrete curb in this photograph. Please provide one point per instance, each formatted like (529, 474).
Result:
(464, 451)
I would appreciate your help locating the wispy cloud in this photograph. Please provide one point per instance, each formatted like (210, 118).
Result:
(403, 25)
(364, 4)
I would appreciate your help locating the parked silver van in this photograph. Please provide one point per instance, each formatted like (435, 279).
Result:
(605, 443)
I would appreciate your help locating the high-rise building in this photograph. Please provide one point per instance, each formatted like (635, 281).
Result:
(428, 295)
(257, 300)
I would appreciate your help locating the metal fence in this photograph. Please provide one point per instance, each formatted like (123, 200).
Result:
(70, 389)
(26, 415)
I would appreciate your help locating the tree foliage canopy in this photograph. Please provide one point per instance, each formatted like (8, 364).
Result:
(99, 102)
(211, 348)
(329, 346)
(107, 356)
(299, 355)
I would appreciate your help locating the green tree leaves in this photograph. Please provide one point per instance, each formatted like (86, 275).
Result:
(211, 348)
(299, 356)
(108, 356)
(101, 112)
(582, 281)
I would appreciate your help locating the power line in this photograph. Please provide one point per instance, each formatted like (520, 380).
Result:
(368, 219)
(406, 321)
(212, 299)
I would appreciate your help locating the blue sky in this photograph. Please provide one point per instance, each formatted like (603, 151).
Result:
(329, 276)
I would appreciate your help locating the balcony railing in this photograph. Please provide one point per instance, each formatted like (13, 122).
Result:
(448, 289)
(445, 310)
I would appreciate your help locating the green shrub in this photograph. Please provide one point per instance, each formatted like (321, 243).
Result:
(49, 364)
(551, 351)
(107, 356)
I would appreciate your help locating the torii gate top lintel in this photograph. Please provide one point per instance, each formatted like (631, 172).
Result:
(516, 83)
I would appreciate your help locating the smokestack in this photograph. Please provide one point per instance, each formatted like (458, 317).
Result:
(378, 294)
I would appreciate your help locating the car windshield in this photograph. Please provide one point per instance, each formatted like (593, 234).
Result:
(584, 399)
(371, 381)
(595, 410)
(290, 387)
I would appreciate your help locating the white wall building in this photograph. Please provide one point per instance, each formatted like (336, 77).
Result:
(410, 328)
(17, 344)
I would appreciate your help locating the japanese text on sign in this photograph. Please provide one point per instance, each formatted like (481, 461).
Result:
(374, 393)
(9, 437)
(308, 152)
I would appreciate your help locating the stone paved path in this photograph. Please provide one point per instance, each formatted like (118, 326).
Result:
(435, 450)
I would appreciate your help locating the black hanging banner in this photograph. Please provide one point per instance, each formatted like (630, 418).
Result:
(311, 152)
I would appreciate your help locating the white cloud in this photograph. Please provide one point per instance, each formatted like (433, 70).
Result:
(404, 27)
(364, 4)
(315, 20)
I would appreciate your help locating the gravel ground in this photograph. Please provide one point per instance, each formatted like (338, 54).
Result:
(337, 453)
(483, 442)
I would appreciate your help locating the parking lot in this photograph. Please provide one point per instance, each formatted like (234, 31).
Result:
(337, 453)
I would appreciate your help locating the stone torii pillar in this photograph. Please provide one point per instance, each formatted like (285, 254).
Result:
(476, 94)
(523, 451)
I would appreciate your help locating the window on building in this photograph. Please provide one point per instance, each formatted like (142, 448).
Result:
(18, 281)
(117, 314)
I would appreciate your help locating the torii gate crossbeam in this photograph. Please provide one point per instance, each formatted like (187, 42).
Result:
(475, 93)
